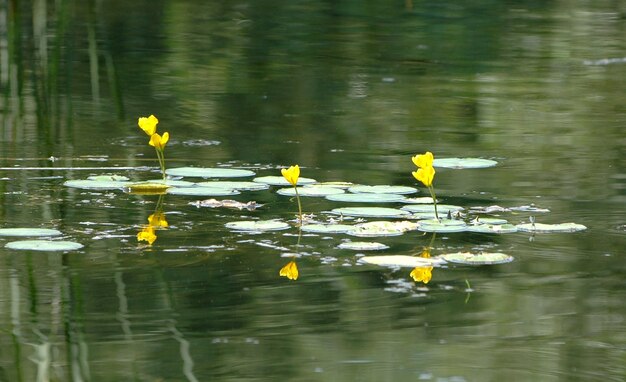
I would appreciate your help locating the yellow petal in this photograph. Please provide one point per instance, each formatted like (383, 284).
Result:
(159, 142)
(147, 234)
(291, 174)
(290, 271)
(424, 160)
(422, 274)
(425, 175)
(157, 220)
(148, 124)
(165, 138)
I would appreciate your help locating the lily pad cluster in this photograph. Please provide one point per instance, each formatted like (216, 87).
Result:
(44, 241)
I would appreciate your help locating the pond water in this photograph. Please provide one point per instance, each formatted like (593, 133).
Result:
(350, 91)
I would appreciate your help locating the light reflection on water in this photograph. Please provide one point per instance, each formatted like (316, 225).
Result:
(349, 92)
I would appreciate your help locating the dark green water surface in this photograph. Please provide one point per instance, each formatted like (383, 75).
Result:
(349, 90)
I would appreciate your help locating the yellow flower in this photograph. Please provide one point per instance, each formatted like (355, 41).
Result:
(424, 160)
(157, 220)
(147, 234)
(159, 142)
(425, 175)
(148, 124)
(290, 271)
(422, 274)
(291, 174)
(425, 253)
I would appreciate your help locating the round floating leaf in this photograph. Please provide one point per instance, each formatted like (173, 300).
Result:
(366, 198)
(377, 212)
(430, 208)
(362, 246)
(492, 228)
(208, 172)
(147, 188)
(484, 258)
(496, 221)
(460, 163)
(383, 228)
(342, 185)
(540, 227)
(108, 178)
(310, 191)
(170, 182)
(280, 181)
(401, 190)
(400, 261)
(530, 208)
(422, 200)
(44, 245)
(29, 232)
(442, 226)
(96, 184)
(327, 228)
(233, 185)
(257, 225)
(201, 191)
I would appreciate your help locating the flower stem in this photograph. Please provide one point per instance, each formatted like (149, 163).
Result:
(161, 158)
(432, 194)
(299, 204)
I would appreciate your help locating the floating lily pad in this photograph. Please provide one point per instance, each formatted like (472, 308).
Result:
(280, 181)
(496, 221)
(342, 185)
(362, 246)
(443, 225)
(485, 258)
(492, 228)
(108, 178)
(201, 191)
(460, 163)
(233, 185)
(540, 227)
(402, 190)
(378, 212)
(96, 184)
(530, 208)
(441, 208)
(310, 191)
(208, 172)
(327, 228)
(149, 188)
(44, 245)
(383, 228)
(421, 200)
(400, 261)
(257, 225)
(171, 182)
(33, 232)
(366, 198)
(228, 203)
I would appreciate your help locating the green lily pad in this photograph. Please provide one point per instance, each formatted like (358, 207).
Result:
(362, 246)
(201, 191)
(430, 208)
(376, 212)
(257, 225)
(280, 181)
(383, 228)
(400, 261)
(460, 163)
(366, 198)
(310, 191)
(485, 258)
(421, 200)
(401, 190)
(108, 178)
(171, 182)
(327, 228)
(540, 227)
(44, 245)
(29, 232)
(342, 185)
(495, 221)
(443, 226)
(234, 185)
(147, 188)
(208, 172)
(96, 184)
(492, 228)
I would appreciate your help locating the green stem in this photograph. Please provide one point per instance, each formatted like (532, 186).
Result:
(299, 204)
(161, 159)
(432, 194)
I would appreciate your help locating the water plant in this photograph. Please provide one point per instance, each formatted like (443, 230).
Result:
(290, 270)
(149, 126)
(155, 221)
(292, 174)
(426, 173)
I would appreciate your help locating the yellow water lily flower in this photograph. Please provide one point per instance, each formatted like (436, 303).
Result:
(425, 175)
(290, 271)
(158, 141)
(148, 124)
(157, 220)
(422, 274)
(291, 174)
(147, 234)
(424, 160)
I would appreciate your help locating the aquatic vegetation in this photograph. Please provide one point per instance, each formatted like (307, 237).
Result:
(292, 174)
(147, 234)
(44, 245)
(290, 271)
(423, 273)
(426, 174)
(149, 126)
(155, 221)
